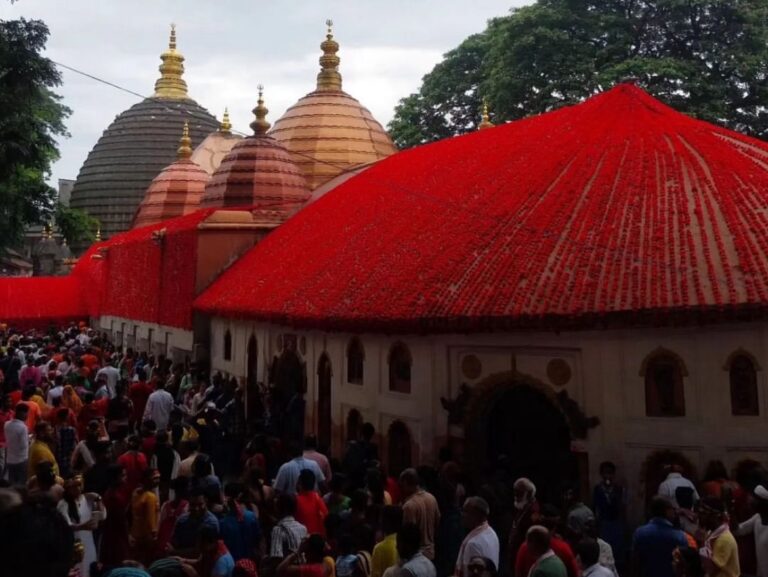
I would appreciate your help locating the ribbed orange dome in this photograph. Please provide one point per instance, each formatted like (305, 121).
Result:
(176, 191)
(258, 171)
(328, 131)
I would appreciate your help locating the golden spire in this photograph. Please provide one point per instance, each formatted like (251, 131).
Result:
(226, 125)
(185, 144)
(171, 85)
(260, 125)
(329, 77)
(486, 119)
(98, 233)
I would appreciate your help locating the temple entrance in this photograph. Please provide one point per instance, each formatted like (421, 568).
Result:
(324, 419)
(516, 430)
(290, 380)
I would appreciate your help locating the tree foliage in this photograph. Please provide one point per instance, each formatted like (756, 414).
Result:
(708, 58)
(31, 116)
(75, 225)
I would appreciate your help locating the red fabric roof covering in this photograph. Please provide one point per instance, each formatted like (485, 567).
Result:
(618, 208)
(34, 302)
(151, 280)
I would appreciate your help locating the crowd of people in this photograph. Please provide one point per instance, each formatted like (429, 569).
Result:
(121, 464)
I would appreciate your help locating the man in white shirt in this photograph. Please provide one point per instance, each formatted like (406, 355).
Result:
(758, 526)
(587, 556)
(112, 376)
(159, 406)
(56, 391)
(288, 473)
(675, 480)
(481, 541)
(17, 446)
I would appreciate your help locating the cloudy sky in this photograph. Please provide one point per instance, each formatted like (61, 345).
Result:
(233, 45)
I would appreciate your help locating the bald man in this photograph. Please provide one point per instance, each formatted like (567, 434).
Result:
(481, 539)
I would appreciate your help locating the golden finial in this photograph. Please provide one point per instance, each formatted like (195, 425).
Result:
(486, 119)
(185, 144)
(98, 234)
(329, 77)
(171, 85)
(48, 232)
(260, 125)
(226, 125)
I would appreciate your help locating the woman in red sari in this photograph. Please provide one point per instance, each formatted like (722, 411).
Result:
(117, 498)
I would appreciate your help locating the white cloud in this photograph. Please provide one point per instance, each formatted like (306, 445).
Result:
(233, 45)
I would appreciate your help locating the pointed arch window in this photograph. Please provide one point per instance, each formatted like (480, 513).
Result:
(227, 345)
(742, 375)
(355, 361)
(664, 388)
(400, 362)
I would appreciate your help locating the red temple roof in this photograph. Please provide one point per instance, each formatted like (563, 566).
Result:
(616, 209)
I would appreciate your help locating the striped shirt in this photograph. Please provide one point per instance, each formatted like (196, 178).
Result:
(287, 535)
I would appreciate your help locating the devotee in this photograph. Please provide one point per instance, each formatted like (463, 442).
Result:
(311, 453)
(757, 526)
(6, 415)
(550, 519)
(577, 514)
(385, 552)
(171, 511)
(134, 462)
(26, 530)
(287, 477)
(240, 529)
(588, 555)
(608, 500)
(313, 551)
(214, 559)
(56, 391)
(526, 514)
(311, 510)
(720, 555)
(481, 540)
(41, 448)
(17, 446)
(413, 562)
(65, 442)
(83, 514)
(653, 543)
(110, 375)
(159, 406)
(114, 546)
(288, 533)
(184, 538)
(674, 480)
(547, 564)
(145, 508)
(30, 375)
(481, 567)
(420, 508)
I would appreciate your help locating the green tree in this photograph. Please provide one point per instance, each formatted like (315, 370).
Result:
(31, 117)
(708, 58)
(75, 225)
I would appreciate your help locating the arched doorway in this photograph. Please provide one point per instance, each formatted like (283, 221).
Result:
(253, 397)
(514, 425)
(288, 395)
(324, 419)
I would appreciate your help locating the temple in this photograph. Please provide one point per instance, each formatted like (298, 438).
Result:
(593, 280)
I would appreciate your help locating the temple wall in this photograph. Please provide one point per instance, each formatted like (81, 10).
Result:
(601, 372)
(173, 342)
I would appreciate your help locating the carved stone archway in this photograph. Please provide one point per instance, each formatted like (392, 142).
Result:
(515, 421)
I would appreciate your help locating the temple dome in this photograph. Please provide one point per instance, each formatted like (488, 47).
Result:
(176, 191)
(258, 171)
(211, 151)
(328, 131)
(138, 144)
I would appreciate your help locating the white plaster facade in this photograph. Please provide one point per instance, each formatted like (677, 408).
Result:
(175, 343)
(605, 381)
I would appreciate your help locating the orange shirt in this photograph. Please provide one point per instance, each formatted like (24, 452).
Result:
(311, 512)
(34, 415)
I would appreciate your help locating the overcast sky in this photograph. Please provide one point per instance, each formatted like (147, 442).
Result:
(233, 45)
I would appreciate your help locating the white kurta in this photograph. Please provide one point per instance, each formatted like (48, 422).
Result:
(85, 537)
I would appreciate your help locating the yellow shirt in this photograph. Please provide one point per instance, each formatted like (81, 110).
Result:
(384, 555)
(145, 509)
(39, 452)
(725, 554)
